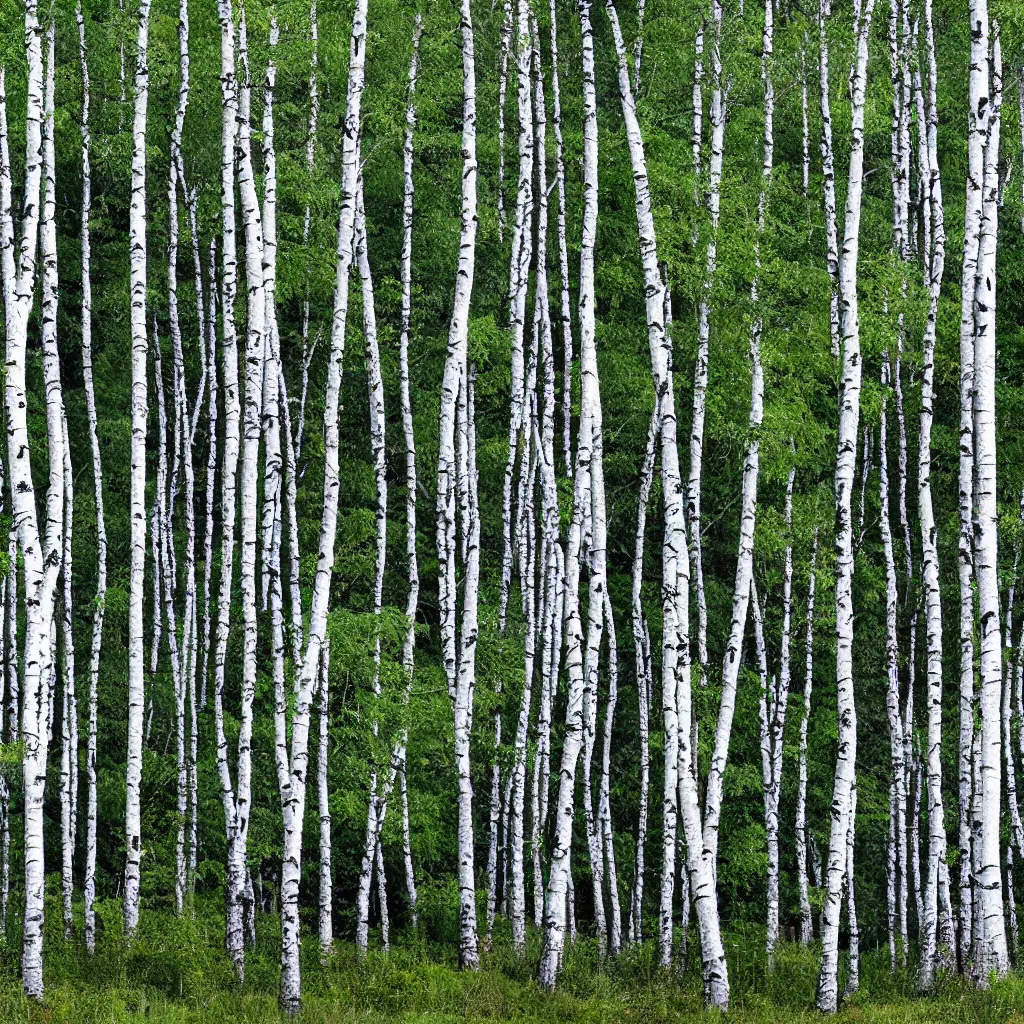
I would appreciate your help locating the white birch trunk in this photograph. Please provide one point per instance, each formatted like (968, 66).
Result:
(748, 501)
(700, 374)
(675, 585)
(89, 878)
(139, 405)
(324, 807)
(644, 677)
(806, 922)
(994, 956)
(519, 280)
(558, 903)
(294, 797)
(412, 600)
(935, 256)
(897, 740)
(459, 659)
(40, 555)
(565, 306)
(828, 170)
(839, 858)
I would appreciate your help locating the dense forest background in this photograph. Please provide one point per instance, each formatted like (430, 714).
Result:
(799, 428)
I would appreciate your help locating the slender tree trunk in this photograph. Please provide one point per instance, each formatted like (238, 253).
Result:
(644, 676)
(935, 257)
(839, 857)
(139, 403)
(519, 275)
(978, 122)
(994, 957)
(897, 742)
(89, 879)
(294, 796)
(558, 903)
(323, 802)
(412, 600)
(565, 306)
(828, 170)
(378, 790)
(459, 658)
(806, 921)
(675, 586)
(700, 377)
(748, 500)
(775, 702)
(311, 129)
(39, 555)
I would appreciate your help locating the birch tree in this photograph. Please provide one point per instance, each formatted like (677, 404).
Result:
(558, 901)
(806, 922)
(992, 947)
(140, 408)
(935, 257)
(40, 552)
(839, 861)
(459, 659)
(700, 377)
(676, 693)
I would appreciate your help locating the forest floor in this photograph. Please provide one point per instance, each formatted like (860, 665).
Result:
(176, 973)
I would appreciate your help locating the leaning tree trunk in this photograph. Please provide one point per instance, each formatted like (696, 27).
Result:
(294, 791)
(751, 470)
(675, 582)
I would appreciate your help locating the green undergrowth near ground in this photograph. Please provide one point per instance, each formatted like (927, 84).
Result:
(176, 973)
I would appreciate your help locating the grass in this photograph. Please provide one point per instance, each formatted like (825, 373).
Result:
(176, 973)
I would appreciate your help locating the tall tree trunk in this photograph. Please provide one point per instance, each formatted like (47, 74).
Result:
(897, 742)
(324, 807)
(828, 170)
(400, 759)
(40, 555)
(558, 903)
(935, 258)
(994, 956)
(751, 470)
(139, 403)
(806, 922)
(459, 659)
(675, 588)
(839, 859)
(89, 880)
(700, 376)
(294, 795)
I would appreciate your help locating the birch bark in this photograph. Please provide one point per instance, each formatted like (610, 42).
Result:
(675, 584)
(139, 405)
(806, 922)
(294, 795)
(994, 955)
(839, 860)
(459, 659)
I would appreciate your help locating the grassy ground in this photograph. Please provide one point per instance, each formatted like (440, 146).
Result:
(176, 973)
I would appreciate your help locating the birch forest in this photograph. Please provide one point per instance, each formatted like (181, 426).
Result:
(512, 510)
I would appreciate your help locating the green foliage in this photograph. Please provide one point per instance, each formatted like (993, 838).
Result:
(176, 972)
